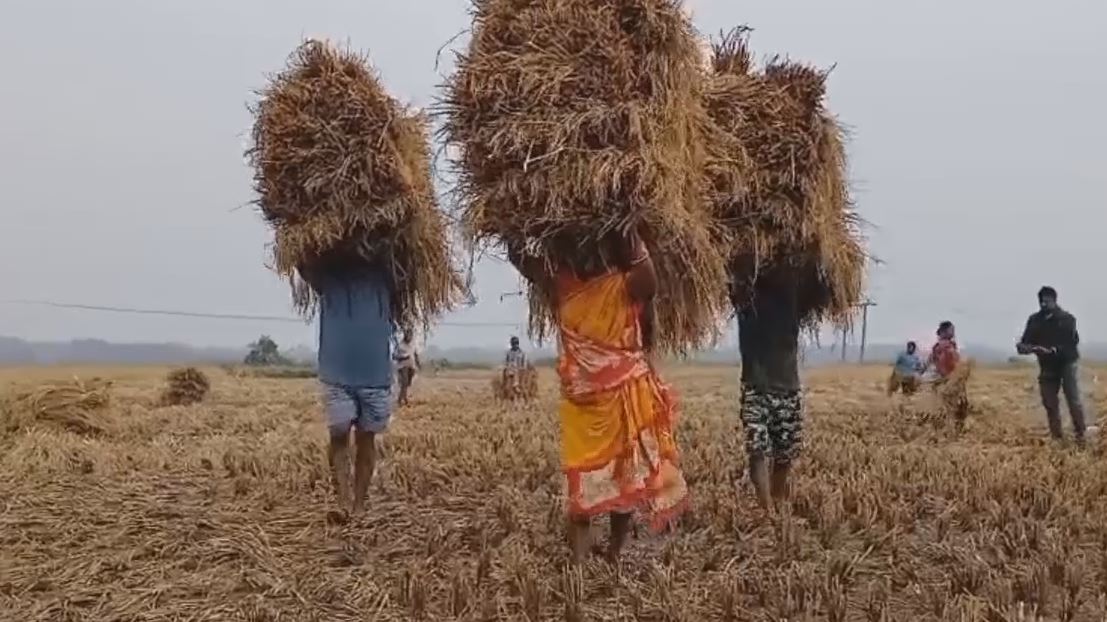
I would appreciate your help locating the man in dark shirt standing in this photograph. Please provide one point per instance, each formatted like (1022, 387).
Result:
(772, 405)
(1051, 335)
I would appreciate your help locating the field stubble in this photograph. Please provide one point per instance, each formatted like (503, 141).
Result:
(218, 511)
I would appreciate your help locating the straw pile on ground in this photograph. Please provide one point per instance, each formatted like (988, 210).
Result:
(573, 119)
(954, 390)
(187, 386)
(76, 406)
(340, 164)
(508, 388)
(777, 172)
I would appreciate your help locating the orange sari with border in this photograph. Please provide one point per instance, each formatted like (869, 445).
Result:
(617, 416)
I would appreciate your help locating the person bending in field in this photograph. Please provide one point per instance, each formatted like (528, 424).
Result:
(772, 401)
(1051, 335)
(617, 417)
(944, 356)
(944, 359)
(905, 373)
(355, 369)
(407, 364)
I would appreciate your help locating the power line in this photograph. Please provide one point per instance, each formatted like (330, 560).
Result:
(196, 314)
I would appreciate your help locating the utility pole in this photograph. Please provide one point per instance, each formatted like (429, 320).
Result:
(864, 326)
(845, 334)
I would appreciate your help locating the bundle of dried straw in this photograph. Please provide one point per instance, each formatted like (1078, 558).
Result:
(576, 118)
(341, 164)
(76, 406)
(778, 179)
(186, 386)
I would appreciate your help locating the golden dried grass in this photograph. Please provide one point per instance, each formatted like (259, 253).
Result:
(218, 512)
(778, 178)
(506, 388)
(77, 406)
(577, 118)
(185, 387)
(340, 164)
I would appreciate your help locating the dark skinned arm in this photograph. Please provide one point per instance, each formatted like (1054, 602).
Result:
(642, 277)
(649, 331)
(1025, 345)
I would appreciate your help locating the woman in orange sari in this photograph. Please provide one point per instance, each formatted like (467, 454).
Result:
(617, 417)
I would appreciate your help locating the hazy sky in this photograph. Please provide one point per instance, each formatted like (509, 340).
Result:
(978, 154)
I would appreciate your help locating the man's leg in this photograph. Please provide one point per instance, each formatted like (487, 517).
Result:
(786, 436)
(1049, 386)
(375, 415)
(621, 523)
(755, 417)
(1070, 384)
(405, 381)
(341, 410)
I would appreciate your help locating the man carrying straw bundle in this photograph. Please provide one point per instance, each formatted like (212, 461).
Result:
(577, 124)
(777, 170)
(342, 173)
(355, 331)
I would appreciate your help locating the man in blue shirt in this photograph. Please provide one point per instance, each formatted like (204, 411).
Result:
(905, 374)
(355, 365)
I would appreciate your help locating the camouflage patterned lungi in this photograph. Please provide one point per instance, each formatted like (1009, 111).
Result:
(773, 423)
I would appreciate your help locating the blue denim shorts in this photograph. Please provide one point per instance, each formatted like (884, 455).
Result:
(369, 408)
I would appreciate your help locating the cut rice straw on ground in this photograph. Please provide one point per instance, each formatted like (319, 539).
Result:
(76, 406)
(575, 118)
(339, 163)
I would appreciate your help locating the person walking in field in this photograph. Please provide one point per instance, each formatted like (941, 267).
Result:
(355, 331)
(617, 416)
(1051, 335)
(772, 401)
(905, 373)
(515, 365)
(407, 365)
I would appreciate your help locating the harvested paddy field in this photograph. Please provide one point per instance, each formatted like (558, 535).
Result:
(218, 510)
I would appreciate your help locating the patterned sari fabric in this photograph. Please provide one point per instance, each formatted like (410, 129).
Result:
(617, 416)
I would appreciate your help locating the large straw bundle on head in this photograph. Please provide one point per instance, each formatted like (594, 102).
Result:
(341, 164)
(778, 176)
(576, 118)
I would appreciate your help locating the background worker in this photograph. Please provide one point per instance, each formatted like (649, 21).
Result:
(1051, 335)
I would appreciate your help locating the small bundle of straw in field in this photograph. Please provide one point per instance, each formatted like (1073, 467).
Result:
(512, 385)
(340, 164)
(76, 406)
(529, 384)
(778, 179)
(954, 390)
(574, 119)
(186, 386)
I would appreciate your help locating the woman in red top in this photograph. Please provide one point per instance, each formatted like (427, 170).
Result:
(944, 356)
